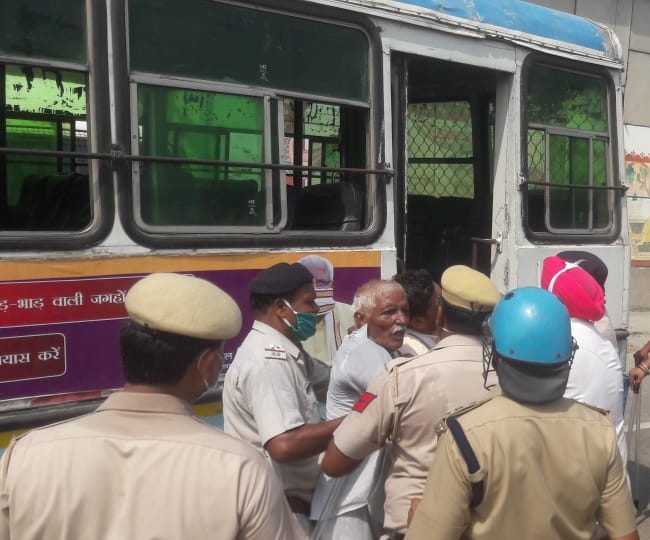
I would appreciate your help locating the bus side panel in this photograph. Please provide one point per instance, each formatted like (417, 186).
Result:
(61, 335)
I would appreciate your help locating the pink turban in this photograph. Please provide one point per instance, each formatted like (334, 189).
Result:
(578, 290)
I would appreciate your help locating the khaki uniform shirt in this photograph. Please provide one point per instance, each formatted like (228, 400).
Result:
(268, 390)
(550, 471)
(139, 467)
(405, 405)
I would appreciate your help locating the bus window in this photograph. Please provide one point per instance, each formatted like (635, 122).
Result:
(44, 109)
(249, 46)
(324, 135)
(200, 125)
(44, 29)
(243, 109)
(568, 142)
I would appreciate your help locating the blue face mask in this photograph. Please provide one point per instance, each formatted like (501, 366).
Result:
(306, 323)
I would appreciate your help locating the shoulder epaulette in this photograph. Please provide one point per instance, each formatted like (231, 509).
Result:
(604, 412)
(449, 423)
(472, 462)
(275, 352)
(397, 362)
(441, 426)
(399, 399)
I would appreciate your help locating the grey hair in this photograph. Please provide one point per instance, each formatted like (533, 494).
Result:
(365, 298)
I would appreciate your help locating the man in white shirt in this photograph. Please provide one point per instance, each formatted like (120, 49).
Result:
(596, 376)
(348, 506)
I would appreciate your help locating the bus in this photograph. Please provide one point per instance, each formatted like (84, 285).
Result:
(218, 137)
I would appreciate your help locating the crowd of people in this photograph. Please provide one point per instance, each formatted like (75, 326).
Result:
(434, 411)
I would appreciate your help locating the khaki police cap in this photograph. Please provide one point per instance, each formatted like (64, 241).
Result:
(468, 289)
(184, 305)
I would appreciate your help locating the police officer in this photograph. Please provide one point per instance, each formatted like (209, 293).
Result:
(270, 390)
(527, 463)
(404, 404)
(142, 466)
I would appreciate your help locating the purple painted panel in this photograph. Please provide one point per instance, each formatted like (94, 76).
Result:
(89, 323)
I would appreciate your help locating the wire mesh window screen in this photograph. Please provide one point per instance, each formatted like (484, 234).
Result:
(440, 151)
(568, 146)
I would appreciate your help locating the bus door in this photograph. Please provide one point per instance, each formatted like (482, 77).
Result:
(444, 133)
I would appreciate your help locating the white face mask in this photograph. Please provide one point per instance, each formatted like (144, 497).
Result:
(324, 301)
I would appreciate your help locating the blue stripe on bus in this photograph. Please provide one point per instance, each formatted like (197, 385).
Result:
(523, 17)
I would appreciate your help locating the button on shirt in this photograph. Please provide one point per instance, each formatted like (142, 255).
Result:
(268, 390)
(549, 471)
(139, 467)
(405, 404)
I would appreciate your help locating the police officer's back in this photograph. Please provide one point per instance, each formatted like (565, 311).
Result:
(527, 463)
(142, 466)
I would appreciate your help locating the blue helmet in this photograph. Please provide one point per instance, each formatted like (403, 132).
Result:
(529, 339)
(532, 325)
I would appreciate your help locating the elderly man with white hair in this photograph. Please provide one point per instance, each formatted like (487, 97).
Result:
(350, 508)
(334, 318)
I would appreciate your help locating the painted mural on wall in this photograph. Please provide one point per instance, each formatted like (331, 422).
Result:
(637, 178)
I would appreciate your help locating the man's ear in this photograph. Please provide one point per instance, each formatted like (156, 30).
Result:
(359, 319)
(279, 307)
(440, 316)
(209, 361)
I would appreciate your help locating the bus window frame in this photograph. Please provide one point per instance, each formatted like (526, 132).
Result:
(98, 124)
(220, 237)
(615, 188)
(217, 88)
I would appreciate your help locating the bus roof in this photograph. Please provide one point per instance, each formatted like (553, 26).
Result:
(512, 20)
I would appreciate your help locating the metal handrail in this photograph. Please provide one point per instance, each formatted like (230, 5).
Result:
(117, 156)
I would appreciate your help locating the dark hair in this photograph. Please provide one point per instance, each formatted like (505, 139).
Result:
(471, 322)
(418, 285)
(155, 357)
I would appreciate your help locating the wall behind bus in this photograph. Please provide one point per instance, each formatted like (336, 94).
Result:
(629, 19)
